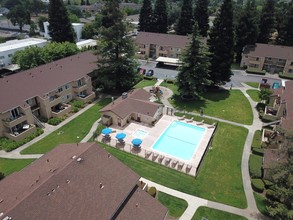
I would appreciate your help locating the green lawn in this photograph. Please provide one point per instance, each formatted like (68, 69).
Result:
(8, 166)
(231, 105)
(254, 95)
(252, 84)
(175, 205)
(143, 83)
(256, 142)
(219, 178)
(215, 214)
(260, 203)
(73, 131)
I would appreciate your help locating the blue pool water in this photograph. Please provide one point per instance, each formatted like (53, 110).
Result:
(140, 134)
(276, 85)
(180, 140)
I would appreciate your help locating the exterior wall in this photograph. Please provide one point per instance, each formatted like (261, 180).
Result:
(288, 68)
(159, 51)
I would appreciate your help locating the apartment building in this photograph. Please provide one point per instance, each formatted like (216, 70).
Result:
(271, 58)
(44, 92)
(154, 45)
(8, 48)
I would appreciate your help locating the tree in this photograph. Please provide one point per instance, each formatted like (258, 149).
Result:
(10, 4)
(33, 28)
(267, 22)
(193, 75)
(221, 43)
(68, 2)
(36, 6)
(285, 33)
(19, 15)
(117, 70)
(87, 2)
(160, 17)
(265, 94)
(185, 22)
(146, 16)
(246, 29)
(82, 2)
(201, 16)
(91, 30)
(60, 27)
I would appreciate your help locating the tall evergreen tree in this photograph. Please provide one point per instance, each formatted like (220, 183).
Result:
(221, 43)
(146, 16)
(246, 29)
(267, 22)
(201, 16)
(117, 69)
(285, 32)
(185, 22)
(60, 27)
(160, 21)
(193, 75)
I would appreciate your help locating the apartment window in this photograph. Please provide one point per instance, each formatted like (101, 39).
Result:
(14, 113)
(2, 57)
(269, 58)
(291, 64)
(60, 89)
(178, 49)
(246, 56)
(68, 96)
(161, 48)
(79, 83)
(30, 102)
(290, 71)
(257, 59)
(67, 86)
(10, 55)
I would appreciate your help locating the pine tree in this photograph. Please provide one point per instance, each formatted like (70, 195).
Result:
(267, 22)
(193, 75)
(246, 29)
(185, 22)
(221, 45)
(160, 17)
(59, 25)
(117, 69)
(285, 35)
(87, 2)
(146, 16)
(201, 16)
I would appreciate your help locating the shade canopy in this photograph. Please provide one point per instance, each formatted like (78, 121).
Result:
(106, 131)
(136, 142)
(120, 136)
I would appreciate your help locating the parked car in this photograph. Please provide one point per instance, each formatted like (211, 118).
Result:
(150, 73)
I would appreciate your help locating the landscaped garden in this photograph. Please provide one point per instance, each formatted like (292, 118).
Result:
(252, 84)
(219, 177)
(8, 166)
(145, 82)
(254, 95)
(214, 214)
(73, 132)
(175, 206)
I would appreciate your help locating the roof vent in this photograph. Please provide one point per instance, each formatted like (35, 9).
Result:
(67, 181)
(109, 155)
(79, 159)
(124, 95)
(73, 157)
(7, 218)
(136, 205)
(101, 186)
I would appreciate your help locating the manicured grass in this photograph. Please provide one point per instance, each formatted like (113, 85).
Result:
(254, 95)
(74, 131)
(256, 142)
(143, 83)
(215, 214)
(171, 86)
(260, 203)
(231, 105)
(8, 166)
(175, 205)
(252, 84)
(219, 177)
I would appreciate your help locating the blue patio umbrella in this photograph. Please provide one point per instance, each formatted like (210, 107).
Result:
(106, 131)
(136, 142)
(120, 136)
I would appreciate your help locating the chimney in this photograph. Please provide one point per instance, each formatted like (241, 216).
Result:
(124, 95)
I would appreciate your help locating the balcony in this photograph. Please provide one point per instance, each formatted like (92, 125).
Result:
(271, 114)
(12, 121)
(21, 133)
(35, 107)
(79, 89)
(55, 100)
(86, 97)
(60, 110)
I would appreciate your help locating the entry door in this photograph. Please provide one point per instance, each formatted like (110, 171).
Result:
(119, 122)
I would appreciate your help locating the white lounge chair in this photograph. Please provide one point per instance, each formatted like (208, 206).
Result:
(200, 122)
(212, 125)
(189, 120)
(181, 118)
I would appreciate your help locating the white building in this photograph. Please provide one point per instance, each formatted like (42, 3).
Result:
(77, 27)
(8, 48)
(86, 43)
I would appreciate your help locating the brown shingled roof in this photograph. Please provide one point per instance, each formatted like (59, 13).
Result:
(17, 88)
(137, 101)
(59, 185)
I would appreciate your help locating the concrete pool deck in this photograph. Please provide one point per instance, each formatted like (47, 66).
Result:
(153, 133)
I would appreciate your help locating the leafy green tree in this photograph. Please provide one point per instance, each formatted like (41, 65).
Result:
(92, 30)
(246, 29)
(68, 2)
(201, 16)
(267, 22)
(82, 2)
(185, 22)
(28, 58)
(146, 16)
(221, 43)
(265, 94)
(87, 2)
(117, 70)
(73, 18)
(19, 15)
(285, 35)
(33, 28)
(160, 17)
(194, 73)
(10, 4)
(36, 6)
(60, 27)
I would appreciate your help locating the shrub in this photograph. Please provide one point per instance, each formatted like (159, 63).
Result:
(55, 121)
(78, 104)
(268, 184)
(152, 191)
(255, 166)
(270, 194)
(256, 143)
(257, 185)
(257, 151)
(286, 75)
(256, 71)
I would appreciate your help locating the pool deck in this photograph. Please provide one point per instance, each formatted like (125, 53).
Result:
(153, 133)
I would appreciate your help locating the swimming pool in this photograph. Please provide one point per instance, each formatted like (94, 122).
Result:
(276, 85)
(140, 134)
(180, 140)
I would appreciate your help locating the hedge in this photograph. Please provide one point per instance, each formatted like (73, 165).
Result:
(256, 71)
(152, 191)
(286, 75)
(257, 185)
(255, 166)
(268, 184)
(77, 103)
(258, 151)
(256, 143)
(270, 194)
(150, 78)
(55, 121)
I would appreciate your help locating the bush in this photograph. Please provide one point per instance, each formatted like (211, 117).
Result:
(152, 191)
(286, 75)
(257, 151)
(257, 185)
(55, 121)
(78, 104)
(256, 71)
(256, 143)
(270, 194)
(255, 166)
(74, 109)
(268, 184)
